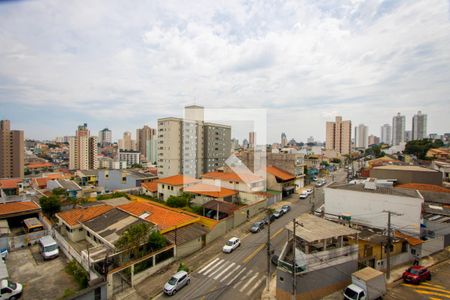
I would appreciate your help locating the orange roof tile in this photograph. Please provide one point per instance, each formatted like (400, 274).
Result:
(280, 173)
(161, 216)
(9, 183)
(73, 216)
(231, 176)
(410, 239)
(177, 180)
(16, 207)
(424, 187)
(39, 165)
(151, 186)
(210, 190)
(42, 181)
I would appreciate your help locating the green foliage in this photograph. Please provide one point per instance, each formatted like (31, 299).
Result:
(113, 195)
(179, 201)
(139, 166)
(79, 274)
(336, 160)
(134, 236)
(157, 241)
(68, 293)
(324, 163)
(50, 205)
(374, 150)
(197, 210)
(419, 148)
(60, 192)
(183, 267)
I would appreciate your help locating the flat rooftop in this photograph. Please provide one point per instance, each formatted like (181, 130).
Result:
(360, 187)
(405, 168)
(315, 228)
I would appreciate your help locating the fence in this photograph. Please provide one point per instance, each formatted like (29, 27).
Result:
(69, 251)
(25, 240)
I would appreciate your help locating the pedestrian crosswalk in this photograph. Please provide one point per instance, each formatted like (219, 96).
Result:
(241, 278)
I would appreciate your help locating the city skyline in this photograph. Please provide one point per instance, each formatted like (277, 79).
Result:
(305, 62)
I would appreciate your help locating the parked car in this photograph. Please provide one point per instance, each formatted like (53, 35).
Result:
(4, 253)
(10, 290)
(304, 195)
(257, 227)
(231, 245)
(309, 191)
(176, 282)
(274, 259)
(416, 274)
(269, 218)
(278, 213)
(48, 247)
(321, 183)
(286, 208)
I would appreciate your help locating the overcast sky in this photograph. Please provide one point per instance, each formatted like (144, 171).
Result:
(123, 64)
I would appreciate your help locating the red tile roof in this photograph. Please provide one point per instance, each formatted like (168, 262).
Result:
(177, 180)
(150, 186)
(73, 216)
(162, 216)
(9, 183)
(424, 187)
(231, 176)
(39, 165)
(280, 173)
(210, 190)
(410, 239)
(17, 207)
(42, 181)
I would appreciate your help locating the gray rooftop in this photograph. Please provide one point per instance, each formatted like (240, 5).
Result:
(69, 185)
(89, 172)
(379, 190)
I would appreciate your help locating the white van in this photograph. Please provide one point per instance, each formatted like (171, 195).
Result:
(48, 247)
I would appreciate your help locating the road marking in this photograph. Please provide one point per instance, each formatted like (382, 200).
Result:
(433, 293)
(432, 298)
(242, 279)
(434, 285)
(427, 288)
(224, 270)
(254, 253)
(218, 268)
(211, 268)
(230, 273)
(206, 267)
(256, 286)
(248, 282)
(240, 272)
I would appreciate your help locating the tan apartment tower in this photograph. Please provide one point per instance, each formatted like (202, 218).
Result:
(339, 136)
(144, 138)
(83, 150)
(12, 151)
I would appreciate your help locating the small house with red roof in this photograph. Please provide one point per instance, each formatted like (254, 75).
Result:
(280, 180)
(174, 185)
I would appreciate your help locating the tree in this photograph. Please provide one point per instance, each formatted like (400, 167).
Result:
(179, 201)
(134, 236)
(419, 148)
(157, 241)
(50, 205)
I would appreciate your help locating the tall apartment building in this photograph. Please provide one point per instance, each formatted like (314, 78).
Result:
(361, 136)
(83, 150)
(191, 146)
(419, 126)
(284, 141)
(252, 140)
(12, 151)
(127, 143)
(130, 156)
(408, 136)
(144, 138)
(373, 140)
(339, 136)
(105, 137)
(398, 129)
(386, 137)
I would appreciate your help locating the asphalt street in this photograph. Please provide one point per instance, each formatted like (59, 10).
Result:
(242, 273)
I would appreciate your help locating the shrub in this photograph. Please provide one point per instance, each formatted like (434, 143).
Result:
(157, 241)
(50, 205)
(79, 274)
(113, 195)
(183, 267)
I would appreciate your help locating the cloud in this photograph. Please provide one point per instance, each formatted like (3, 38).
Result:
(304, 61)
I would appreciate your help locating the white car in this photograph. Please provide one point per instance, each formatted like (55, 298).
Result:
(232, 244)
(176, 282)
(10, 290)
(304, 195)
(309, 191)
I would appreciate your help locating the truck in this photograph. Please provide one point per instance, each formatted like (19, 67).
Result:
(367, 284)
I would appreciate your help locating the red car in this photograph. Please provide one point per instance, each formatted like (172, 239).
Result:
(416, 274)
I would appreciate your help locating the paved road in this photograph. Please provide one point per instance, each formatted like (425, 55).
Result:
(437, 288)
(242, 274)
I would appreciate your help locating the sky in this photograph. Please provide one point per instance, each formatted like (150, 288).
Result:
(123, 64)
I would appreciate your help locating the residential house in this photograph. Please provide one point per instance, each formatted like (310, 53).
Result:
(122, 180)
(407, 174)
(174, 185)
(205, 192)
(280, 180)
(87, 177)
(438, 153)
(248, 183)
(11, 186)
(150, 188)
(70, 186)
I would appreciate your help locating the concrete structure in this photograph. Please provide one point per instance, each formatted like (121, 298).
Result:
(279, 180)
(419, 126)
(105, 137)
(361, 133)
(144, 138)
(323, 256)
(83, 150)
(283, 140)
(248, 183)
(252, 140)
(130, 156)
(386, 137)
(408, 136)
(373, 140)
(398, 129)
(310, 140)
(127, 143)
(339, 136)
(114, 180)
(190, 146)
(174, 185)
(366, 204)
(407, 174)
(12, 151)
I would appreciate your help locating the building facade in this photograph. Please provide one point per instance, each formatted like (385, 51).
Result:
(419, 126)
(283, 140)
(339, 136)
(105, 137)
(130, 156)
(83, 150)
(144, 136)
(386, 137)
(373, 140)
(252, 139)
(361, 133)
(12, 151)
(398, 129)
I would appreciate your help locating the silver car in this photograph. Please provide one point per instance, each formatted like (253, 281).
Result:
(179, 280)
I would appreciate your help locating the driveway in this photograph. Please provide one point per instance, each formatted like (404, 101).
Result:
(41, 279)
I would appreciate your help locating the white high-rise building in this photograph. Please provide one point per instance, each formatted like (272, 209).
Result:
(398, 129)
(419, 126)
(361, 136)
(386, 134)
(83, 150)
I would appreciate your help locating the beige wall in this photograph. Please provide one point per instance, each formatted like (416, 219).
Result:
(168, 147)
(169, 190)
(338, 136)
(12, 151)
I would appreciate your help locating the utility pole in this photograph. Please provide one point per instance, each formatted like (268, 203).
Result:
(389, 243)
(268, 255)
(294, 246)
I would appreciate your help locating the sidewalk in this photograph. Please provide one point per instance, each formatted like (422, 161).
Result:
(152, 286)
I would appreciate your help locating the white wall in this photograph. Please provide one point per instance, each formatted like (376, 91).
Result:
(367, 208)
